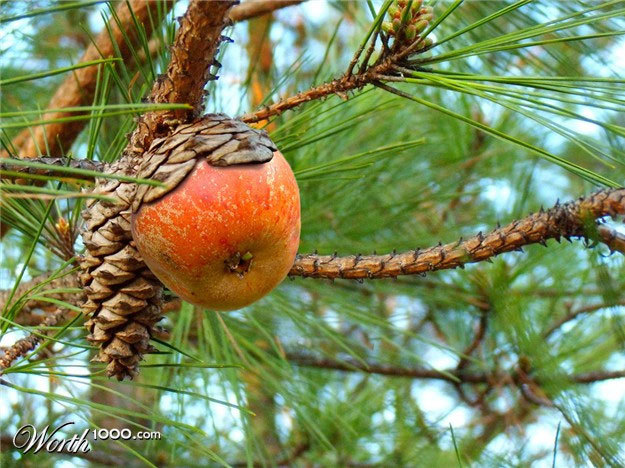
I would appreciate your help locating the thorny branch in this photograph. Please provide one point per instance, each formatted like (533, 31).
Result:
(79, 88)
(192, 56)
(572, 219)
(389, 64)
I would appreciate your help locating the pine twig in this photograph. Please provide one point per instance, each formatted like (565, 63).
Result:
(612, 238)
(573, 314)
(448, 375)
(254, 8)
(195, 47)
(25, 345)
(567, 220)
(480, 334)
(67, 281)
(78, 89)
(384, 67)
(338, 86)
(352, 365)
(9, 170)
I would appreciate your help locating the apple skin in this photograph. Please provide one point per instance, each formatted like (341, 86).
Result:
(190, 236)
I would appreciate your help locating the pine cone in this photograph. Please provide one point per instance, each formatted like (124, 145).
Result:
(124, 299)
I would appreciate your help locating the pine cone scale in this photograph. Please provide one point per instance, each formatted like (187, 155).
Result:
(124, 298)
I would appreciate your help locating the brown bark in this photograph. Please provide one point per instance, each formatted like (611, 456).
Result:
(79, 87)
(192, 55)
(567, 220)
(25, 345)
(254, 8)
(454, 376)
(64, 282)
(384, 68)
(573, 219)
(339, 87)
(15, 171)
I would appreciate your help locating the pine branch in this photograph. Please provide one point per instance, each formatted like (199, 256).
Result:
(387, 65)
(79, 87)
(248, 10)
(573, 314)
(10, 170)
(573, 219)
(448, 375)
(612, 238)
(25, 345)
(67, 281)
(192, 55)
(253, 8)
(340, 87)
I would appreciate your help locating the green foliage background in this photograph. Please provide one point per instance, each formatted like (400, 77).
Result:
(523, 105)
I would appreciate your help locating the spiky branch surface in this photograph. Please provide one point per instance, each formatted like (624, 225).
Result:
(192, 56)
(572, 219)
(392, 59)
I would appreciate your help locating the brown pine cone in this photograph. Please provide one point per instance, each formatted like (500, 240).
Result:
(124, 299)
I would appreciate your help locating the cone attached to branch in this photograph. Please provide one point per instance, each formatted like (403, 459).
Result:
(124, 298)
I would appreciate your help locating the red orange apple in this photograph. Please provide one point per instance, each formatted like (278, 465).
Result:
(225, 236)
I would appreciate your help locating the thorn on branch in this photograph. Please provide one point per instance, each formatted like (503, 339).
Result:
(567, 220)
